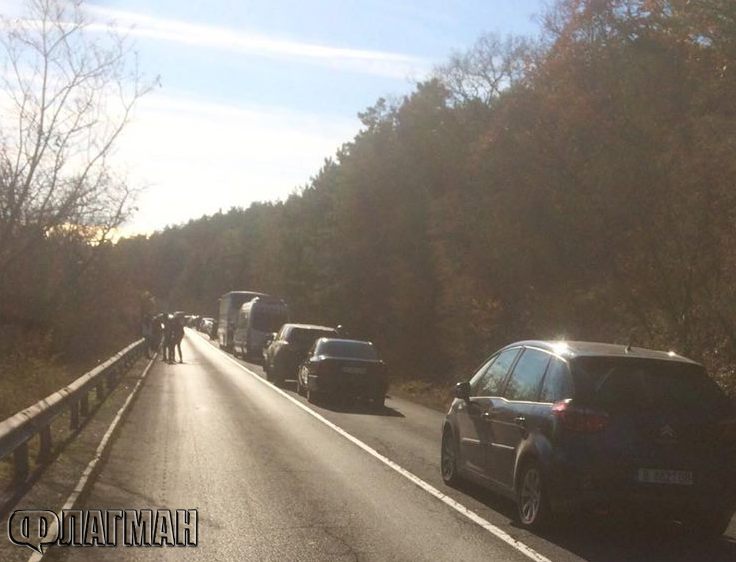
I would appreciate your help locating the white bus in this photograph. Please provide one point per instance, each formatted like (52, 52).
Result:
(230, 304)
(258, 319)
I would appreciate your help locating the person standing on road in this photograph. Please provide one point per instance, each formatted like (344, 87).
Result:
(157, 331)
(168, 345)
(177, 334)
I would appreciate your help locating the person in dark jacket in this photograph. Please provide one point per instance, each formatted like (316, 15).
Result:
(177, 334)
(168, 338)
(157, 332)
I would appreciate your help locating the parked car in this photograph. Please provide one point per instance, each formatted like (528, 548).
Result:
(289, 347)
(340, 368)
(563, 426)
(204, 324)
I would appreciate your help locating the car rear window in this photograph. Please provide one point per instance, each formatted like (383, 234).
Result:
(347, 349)
(620, 384)
(307, 336)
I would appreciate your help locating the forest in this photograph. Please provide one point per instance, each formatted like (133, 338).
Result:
(576, 185)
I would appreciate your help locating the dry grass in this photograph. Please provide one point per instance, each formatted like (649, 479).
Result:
(437, 397)
(23, 383)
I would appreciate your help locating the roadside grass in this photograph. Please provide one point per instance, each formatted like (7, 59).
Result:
(25, 382)
(432, 395)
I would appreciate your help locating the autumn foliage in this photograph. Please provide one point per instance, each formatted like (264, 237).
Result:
(585, 190)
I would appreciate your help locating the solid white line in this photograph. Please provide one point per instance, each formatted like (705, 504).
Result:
(79, 488)
(460, 508)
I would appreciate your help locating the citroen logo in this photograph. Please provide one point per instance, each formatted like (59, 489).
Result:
(666, 432)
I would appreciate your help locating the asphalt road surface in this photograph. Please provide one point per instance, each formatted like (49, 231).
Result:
(271, 481)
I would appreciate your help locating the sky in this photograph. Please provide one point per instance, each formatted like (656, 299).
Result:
(255, 95)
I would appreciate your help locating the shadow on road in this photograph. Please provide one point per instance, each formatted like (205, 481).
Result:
(349, 406)
(616, 538)
(632, 537)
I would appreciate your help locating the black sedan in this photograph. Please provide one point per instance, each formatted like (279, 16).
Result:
(289, 347)
(566, 426)
(340, 368)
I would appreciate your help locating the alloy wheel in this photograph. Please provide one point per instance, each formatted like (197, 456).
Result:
(448, 461)
(530, 496)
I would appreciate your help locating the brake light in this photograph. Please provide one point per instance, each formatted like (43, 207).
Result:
(322, 367)
(580, 420)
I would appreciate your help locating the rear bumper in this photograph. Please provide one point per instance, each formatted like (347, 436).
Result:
(367, 387)
(286, 365)
(573, 489)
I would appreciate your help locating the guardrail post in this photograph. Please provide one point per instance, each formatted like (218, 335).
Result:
(20, 457)
(44, 451)
(74, 419)
(100, 391)
(84, 404)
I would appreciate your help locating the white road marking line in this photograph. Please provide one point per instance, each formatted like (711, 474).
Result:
(460, 508)
(79, 488)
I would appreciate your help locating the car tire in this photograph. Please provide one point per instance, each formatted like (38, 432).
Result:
(379, 402)
(312, 396)
(532, 498)
(448, 458)
(276, 377)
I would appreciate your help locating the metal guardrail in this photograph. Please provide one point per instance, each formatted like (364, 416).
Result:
(18, 430)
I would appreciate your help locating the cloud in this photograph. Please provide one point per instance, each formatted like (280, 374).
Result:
(198, 157)
(382, 63)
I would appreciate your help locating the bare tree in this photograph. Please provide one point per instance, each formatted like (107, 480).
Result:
(492, 64)
(69, 86)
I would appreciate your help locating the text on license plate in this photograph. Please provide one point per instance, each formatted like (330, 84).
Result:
(354, 370)
(660, 476)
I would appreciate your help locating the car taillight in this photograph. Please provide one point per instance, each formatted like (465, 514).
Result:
(322, 368)
(580, 420)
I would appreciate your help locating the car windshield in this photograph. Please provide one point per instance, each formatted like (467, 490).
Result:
(268, 319)
(620, 384)
(305, 337)
(347, 349)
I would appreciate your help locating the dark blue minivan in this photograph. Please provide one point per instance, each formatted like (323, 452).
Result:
(561, 426)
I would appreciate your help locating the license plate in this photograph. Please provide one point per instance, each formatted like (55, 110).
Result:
(354, 370)
(660, 476)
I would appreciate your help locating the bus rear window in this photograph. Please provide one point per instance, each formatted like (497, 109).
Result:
(268, 319)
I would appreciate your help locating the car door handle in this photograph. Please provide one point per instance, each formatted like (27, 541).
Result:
(520, 421)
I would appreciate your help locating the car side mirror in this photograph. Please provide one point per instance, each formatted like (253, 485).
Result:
(462, 390)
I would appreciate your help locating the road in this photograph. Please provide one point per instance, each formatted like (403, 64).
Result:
(272, 481)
